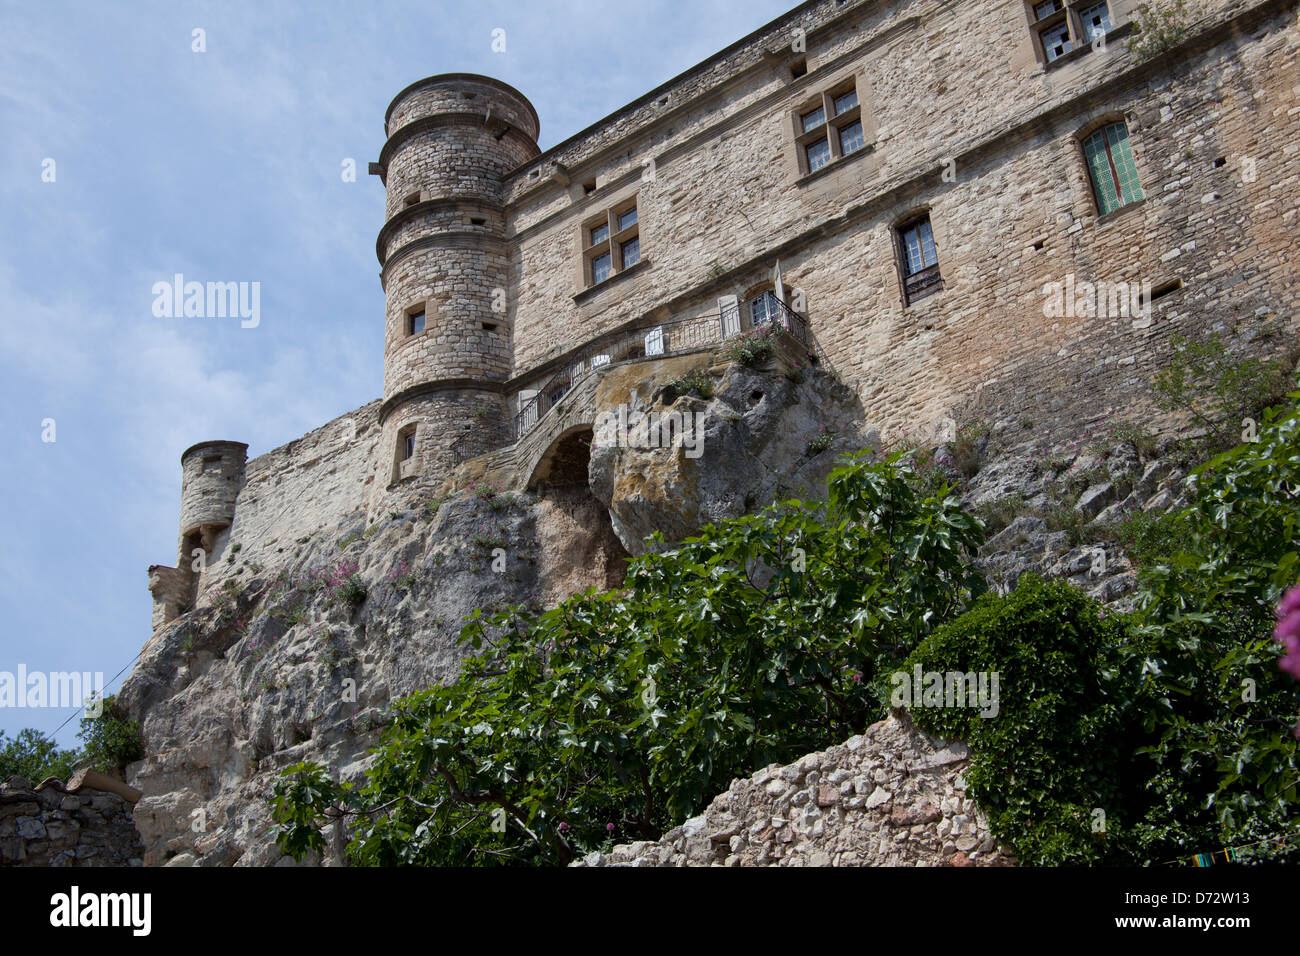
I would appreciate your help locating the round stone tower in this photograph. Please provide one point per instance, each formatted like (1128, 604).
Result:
(212, 473)
(448, 337)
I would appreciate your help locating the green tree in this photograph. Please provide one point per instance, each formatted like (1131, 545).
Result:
(111, 741)
(34, 756)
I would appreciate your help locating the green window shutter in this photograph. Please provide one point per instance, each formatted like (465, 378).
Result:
(1122, 155)
(1103, 183)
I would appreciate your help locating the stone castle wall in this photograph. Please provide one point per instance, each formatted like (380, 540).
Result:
(939, 81)
(1213, 128)
(293, 491)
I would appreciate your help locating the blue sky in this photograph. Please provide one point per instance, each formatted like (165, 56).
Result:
(223, 166)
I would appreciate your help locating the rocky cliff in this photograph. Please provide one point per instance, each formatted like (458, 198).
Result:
(298, 651)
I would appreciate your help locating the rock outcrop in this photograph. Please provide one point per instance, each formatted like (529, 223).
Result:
(766, 433)
(892, 796)
(299, 663)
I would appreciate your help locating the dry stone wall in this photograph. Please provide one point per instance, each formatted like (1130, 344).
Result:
(891, 796)
(47, 826)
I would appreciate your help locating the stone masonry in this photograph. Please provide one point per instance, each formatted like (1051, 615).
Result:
(891, 796)
(49, 825)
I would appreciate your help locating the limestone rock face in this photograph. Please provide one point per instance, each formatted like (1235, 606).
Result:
(754, 434)
(892, 796)
(279, 668)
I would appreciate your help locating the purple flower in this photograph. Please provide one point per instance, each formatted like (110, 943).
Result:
(563, 826)
(609, 827)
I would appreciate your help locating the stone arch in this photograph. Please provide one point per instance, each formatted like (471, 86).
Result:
(563, 463)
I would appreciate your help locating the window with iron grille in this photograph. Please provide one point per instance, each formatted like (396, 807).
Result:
(611, 242)
(1065, 26)
(1111, 168)
(920, 260)
(829, 127)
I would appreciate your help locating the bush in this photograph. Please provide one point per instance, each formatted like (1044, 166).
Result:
(697, 382)
(110, 741)
(753, 347)
(1217, 389)
(755, 642)
(1175, 722)
(1161, 27)
(1054, 750)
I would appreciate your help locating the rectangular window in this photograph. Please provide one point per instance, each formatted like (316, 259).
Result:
(1067, 26)
(1112, 168)
(408, 446)
(851, 138)
(918, 241)
(613, 242)
(814, 119)
(416, 324)
(631, 252)
(920, 260)
(819, 154)
(1056, 42)
(1095, 21)
(826, 133)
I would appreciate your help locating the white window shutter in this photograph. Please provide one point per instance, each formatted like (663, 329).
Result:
(654, 342)
(729, 310)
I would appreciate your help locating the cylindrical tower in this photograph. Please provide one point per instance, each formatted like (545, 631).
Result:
(448, 337)
(212, 473)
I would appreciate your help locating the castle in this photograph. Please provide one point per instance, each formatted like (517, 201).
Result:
(947, 201)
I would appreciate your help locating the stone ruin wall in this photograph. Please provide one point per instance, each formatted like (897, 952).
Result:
(890, 796)
(46, 825)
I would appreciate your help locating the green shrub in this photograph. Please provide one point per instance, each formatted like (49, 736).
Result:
(997, 515)
(1054, 749)
(753, 347)
(109, 740)
(1161, 26)
(1218, 389)
(696, 381)
(967, 447)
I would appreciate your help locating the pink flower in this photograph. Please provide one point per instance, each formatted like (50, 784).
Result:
(1287, 632)
(609, 827)
(563, 826)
